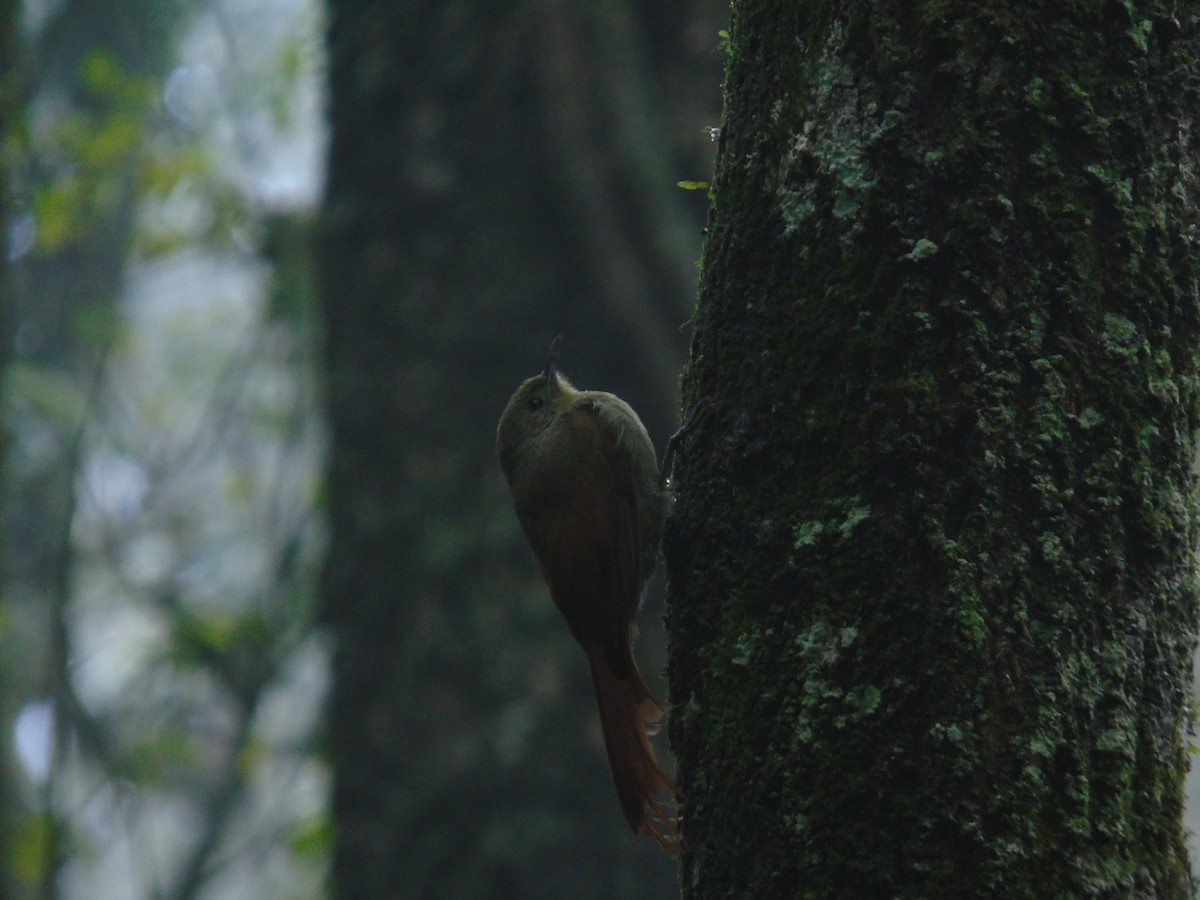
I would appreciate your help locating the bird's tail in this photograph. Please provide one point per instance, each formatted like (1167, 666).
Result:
(629, 713)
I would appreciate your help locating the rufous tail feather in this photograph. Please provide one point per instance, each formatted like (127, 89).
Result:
(628, 714)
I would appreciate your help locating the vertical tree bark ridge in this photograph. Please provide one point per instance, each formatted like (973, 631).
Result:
(932, 597)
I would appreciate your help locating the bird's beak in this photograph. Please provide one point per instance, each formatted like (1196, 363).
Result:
(552, 362)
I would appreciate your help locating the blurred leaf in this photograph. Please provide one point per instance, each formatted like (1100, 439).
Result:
(294, 57)
(157, 759)
(197, 638)
(34, 846)
(55, 209)
(96, 323)
(51, 394)
(102, 73)
(312, 838)
(692, 185)
(89, 154)
(114, 139)
(99, 69)
(251, 754)
(163, 173)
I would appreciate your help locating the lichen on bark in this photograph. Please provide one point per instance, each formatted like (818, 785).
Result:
(932, 592)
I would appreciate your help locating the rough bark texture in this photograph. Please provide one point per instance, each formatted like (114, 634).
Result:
(932, 579)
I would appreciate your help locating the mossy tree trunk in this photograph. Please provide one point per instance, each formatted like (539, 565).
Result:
(932, 584)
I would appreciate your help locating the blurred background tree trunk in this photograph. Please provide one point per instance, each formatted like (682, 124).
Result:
(933, 593)
(499, 173)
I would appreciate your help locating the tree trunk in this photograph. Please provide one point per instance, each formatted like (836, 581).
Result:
(932, 598)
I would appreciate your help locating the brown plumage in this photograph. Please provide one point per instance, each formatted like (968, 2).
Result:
(584, 480)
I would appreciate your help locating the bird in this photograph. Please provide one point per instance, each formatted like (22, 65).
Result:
(585, 483)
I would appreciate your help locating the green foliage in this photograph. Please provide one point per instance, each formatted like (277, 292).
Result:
(202, 638)
(97, 324)
(36, 846)
(93, 150)
(158, 759)
(102, 74)
(161, 432)
(312, 838)
(103, 157)
(50, 395)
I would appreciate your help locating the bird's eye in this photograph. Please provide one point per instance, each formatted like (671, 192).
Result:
(535, 403)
